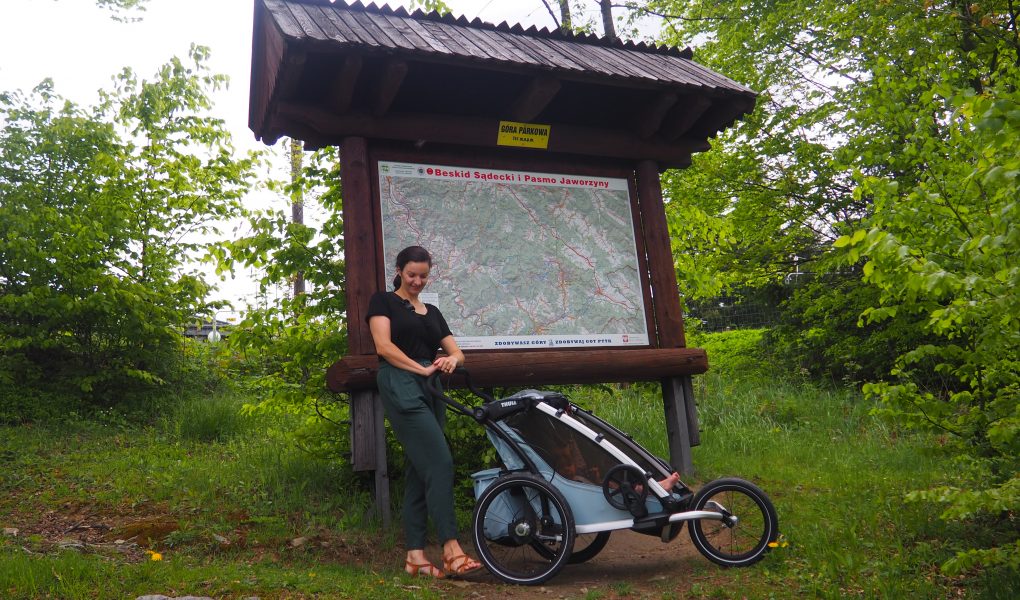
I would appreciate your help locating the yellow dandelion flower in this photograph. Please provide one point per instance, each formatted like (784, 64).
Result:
(779, 543)
(153, 555)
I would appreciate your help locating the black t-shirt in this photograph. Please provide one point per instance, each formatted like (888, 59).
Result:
(417, 336)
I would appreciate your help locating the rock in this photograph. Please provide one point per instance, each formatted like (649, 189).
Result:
(298, 542)
(11, 531)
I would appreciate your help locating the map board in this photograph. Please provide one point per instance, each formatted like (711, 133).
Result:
(521, 260)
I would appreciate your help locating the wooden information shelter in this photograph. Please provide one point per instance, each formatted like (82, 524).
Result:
(385, 85)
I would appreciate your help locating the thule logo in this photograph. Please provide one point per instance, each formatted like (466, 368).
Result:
(508, 403)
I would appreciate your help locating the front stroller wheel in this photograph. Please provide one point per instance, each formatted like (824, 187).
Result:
(523, 529)
(748, 523)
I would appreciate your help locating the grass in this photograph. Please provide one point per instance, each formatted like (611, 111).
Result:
(235, 508)
(837, 476)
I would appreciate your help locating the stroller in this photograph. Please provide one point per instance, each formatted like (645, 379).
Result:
(569, 479)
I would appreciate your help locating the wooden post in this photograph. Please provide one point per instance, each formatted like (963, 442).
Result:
(677, 427)
(669, 321)
(677, 399)
(382, 474)
(368, 446)
(692, 410)
(360, 244)
(368, 427)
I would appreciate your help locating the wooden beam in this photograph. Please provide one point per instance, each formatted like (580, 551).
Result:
(389, 84)
(553, 367)
(341, 91)
(481, 133)
(534, 99)
(650, 119)
(662, 274)
(360, 243)
(684, 115)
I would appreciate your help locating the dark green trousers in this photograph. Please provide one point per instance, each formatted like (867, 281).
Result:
(418, 421)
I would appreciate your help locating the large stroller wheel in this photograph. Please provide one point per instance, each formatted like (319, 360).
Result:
(523, 529)
(749, 523)
(587, 546)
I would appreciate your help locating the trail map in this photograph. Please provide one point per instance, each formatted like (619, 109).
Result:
(520, 259)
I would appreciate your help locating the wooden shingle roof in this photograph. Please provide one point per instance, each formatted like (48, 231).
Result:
(323, 70)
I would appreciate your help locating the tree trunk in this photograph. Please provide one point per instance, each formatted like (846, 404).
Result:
(565, 24)
(297, 206)
(607, 19)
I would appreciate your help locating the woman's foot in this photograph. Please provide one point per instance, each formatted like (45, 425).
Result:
(416, 565)
(459, 565)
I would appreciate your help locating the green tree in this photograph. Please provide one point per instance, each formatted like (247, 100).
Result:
(946, 250)
(292, 341)
(102, 210)
(894, 120)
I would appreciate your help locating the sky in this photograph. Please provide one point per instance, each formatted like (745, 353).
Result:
(81, 48)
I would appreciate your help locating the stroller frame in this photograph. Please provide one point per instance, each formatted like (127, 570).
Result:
(531, 518)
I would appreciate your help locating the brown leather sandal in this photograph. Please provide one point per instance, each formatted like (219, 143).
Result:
(465, 562)
(425, 569)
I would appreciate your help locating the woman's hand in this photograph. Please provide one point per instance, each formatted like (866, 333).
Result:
(446, 364)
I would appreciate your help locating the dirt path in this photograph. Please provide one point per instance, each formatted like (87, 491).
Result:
(631, 565)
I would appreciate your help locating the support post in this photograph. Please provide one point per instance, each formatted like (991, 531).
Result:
(677, 426)
(382, 473)
(368, 446)
(693, 429)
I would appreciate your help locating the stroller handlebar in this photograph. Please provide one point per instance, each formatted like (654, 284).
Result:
(479, 413)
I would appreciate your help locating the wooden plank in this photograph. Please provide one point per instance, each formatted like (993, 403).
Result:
(345, 30)
(541, 53)
(359, 242)
(457, 32)
(666, 296)
(327, 21)
(481, 132)
(382, 31)
(650, 119)
(307, 22)
(439, 32)
(534, 99)
(684, 115)
(341, 90)
(505, 41)
(403, 25)
(484, 41)
(266, 63)
(389, 84)
(284, 19)
(425, 34)
(363, 36)
(544, 367)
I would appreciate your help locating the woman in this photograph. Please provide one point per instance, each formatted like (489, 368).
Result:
(407, 333)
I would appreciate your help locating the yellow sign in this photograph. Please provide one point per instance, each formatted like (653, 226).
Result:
(523, 135)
